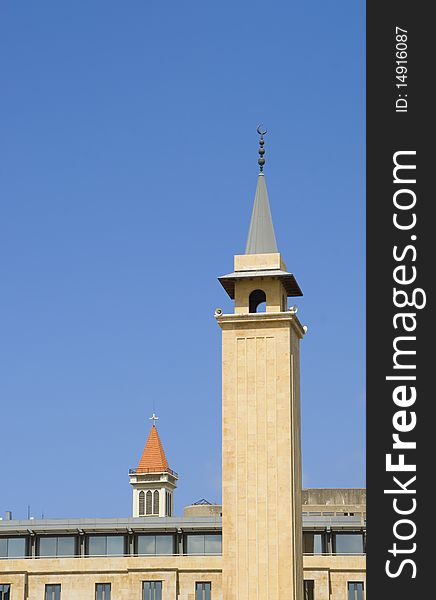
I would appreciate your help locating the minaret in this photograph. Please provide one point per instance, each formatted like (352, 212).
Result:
(261, 453)
(153, 482)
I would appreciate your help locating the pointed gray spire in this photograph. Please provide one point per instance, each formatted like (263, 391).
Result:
(261, 236)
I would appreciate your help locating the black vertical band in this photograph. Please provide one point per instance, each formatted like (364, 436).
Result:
(400, 278)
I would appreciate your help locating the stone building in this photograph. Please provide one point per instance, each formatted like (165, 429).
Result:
(270, 539)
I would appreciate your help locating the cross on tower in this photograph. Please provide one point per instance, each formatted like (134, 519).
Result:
(154, 419)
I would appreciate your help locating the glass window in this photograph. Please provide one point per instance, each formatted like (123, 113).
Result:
(57, 546)
(5, 591)
(348, 543)
(152, 590)
(164, 544)
(102, 591)
(47, 546)
(212, 544)
(12, 547)
(104, 545)
(313, 543)
(195, 544)
(66, 545)
(146, 544)
(154, 544)
(115, 544)
(204, 544)
(203, 590)
(53, 592)
(355, 590)
(97, 545)
(309, 589)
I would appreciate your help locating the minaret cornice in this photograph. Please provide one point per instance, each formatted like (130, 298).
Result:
(261, 319)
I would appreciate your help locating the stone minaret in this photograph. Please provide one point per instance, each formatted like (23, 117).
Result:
(261, 453)
(153, 482)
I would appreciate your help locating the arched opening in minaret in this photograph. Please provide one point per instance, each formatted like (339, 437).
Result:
(257, 301)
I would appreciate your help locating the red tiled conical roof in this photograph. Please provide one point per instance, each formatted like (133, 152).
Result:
(153, 459)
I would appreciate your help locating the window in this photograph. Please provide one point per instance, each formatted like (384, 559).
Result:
(12, 547)
(168, 500)
(204, 544)
(309, 589)
(313, 543)
(53, 592)
(348, 543)
(154, 544)
(5, 591)
(105, 545)
(152, 590)
(257, 299)
(156, 502)
(102, 591)
(149, 503)
(355, 590)
(203, 590)
(141, 504)
(64, 545)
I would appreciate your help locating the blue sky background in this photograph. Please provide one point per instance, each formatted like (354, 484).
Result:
(128, 165)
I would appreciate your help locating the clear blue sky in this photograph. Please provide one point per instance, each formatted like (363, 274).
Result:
(128, 165)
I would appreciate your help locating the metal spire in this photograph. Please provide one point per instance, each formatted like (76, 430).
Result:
(261, 236)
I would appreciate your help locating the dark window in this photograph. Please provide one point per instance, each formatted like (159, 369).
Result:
(104, 545)
(203, 590)
(152, 590)
(154, 544)
(168, 504)
(64, 545)
(5, 591)
(348, 543)
(309, 589)
(53, 592)
(156, 502)
(204, 544)
(102, 591)
(149, 502)
(12, 547)
(313, 543)
(256, 298)
(355, 590)
(141, 504)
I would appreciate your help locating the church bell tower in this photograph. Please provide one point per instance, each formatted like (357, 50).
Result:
(261, 451)
(153, 482)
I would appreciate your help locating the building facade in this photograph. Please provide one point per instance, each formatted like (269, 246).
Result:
(270, 539)
(78, 559)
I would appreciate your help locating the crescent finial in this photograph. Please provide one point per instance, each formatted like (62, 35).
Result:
(261, 161)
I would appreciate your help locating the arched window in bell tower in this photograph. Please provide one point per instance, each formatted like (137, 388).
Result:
(156, 502)
(256, 298)
(141, 503)
(149, 503)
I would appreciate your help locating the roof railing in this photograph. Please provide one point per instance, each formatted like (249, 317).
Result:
(144, 471)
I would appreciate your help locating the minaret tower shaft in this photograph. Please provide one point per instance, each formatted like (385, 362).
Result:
(261, 450)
